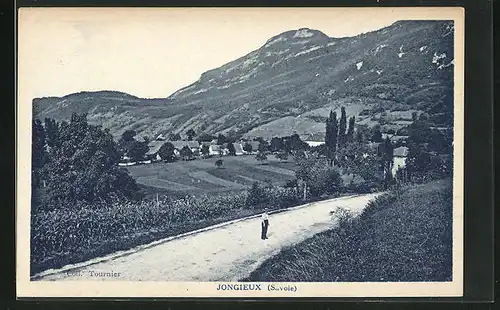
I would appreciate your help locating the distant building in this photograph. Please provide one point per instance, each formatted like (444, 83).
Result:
(238, 149)
(154, 148)
(400, 155)
(194, 146)
(314, 143)
(214, 149)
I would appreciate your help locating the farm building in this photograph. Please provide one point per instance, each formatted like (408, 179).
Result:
(239, 149)
(400, 155)
(193, 145)
(314, 143)
(215, 149)
(154, 148)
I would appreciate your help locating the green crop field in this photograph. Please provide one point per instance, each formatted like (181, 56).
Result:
(201, 176)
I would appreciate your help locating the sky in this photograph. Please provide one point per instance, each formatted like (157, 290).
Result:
(153, 52)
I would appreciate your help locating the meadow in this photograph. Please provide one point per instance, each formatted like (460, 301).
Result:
(202, 177)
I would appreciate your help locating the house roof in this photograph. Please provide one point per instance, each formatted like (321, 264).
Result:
(238, 148)
(214, 147)
(399, 137)
(154, 147)
(401, 151)
(180, 144)
(193, 144)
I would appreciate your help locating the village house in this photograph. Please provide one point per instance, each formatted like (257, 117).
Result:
(194, 146)
(314, 143)
(154, 149)
(238, 149)
(214, 150)
(399, 161)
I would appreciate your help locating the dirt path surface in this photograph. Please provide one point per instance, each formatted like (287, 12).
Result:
(227, 253)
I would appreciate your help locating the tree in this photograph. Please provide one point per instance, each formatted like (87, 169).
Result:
(83, 166)
(256, 195)
(294, 143)
(376, 134)
(219, 163)
(281, 156)
(52, 132)
(276, 144)
(331, 135)
(186, 153)
(174, 137)
(205, 137)
(231, 149)
(387, 158)
(128, 136)
(221, 139)
(39, 154)
(167, 152)
(205, 150)
(247, 147)
(342, 127)
(362, 134)
(190, 134)
(126, 142)
(261, 156)
(419, 132)
(137, 150)
(350, 129)
(263, 146)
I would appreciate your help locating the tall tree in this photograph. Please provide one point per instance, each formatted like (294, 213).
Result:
(231, 149)
(52, 132)
(276, 144)
(190, 134)
(376, 134)
(221, 139)
(350, 129)
(205, 150)
(387, 154)
(331, 135)
(342, 127)
(39, 154)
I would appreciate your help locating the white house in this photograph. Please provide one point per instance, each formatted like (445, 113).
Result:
(314, 143)
(214, 149)
(238, 149)
(400, 155)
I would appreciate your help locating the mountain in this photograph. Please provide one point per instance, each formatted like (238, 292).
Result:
(290, 84)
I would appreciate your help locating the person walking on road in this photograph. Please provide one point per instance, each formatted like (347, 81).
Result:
(264, 224)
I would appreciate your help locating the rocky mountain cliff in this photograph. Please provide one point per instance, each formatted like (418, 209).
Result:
(290, 84)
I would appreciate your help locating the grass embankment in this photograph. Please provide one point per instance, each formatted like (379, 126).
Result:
(402, 236)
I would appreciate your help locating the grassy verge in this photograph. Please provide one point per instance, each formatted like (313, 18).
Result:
(402, 236)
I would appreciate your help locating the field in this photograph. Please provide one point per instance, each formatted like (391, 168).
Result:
(402, 236)
(202, 177)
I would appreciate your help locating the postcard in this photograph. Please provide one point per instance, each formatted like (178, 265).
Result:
(240, 152)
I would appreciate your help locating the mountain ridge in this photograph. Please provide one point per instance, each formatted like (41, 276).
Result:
(290, 83)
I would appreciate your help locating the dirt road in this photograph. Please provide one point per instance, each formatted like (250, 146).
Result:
(227, 253)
